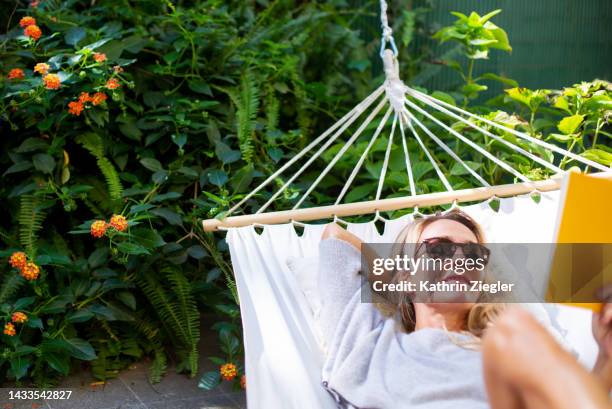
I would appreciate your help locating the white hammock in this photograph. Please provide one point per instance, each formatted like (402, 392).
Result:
(283, 357)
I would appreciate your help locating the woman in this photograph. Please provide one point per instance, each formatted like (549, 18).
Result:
(422, 356)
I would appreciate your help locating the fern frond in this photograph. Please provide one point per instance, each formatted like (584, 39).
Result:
(158, 367)
(115, 189)
(94, 144)
(10, 286)
(31, 218)
(272, 111)
(188, 310)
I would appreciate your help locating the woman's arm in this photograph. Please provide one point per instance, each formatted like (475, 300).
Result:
(602, 332)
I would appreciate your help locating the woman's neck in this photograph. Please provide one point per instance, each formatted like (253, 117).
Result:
(429, 316)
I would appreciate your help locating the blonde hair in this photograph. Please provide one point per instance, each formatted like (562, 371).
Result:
(479, 317)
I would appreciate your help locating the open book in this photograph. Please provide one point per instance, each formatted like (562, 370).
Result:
(582, 262)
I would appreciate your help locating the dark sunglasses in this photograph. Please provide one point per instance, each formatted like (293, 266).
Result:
(442, 248)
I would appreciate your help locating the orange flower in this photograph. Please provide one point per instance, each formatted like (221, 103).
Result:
(27, 21)
(16, 74)
(52, 81)
(75, 108)
(243, 381)
(41, 68)
(32, 31)
(18, 260)
(119, 222)
(19, 317)
(98, 98)
(30, 271)
(112, 84)
(228, 371)
(9, 329)
(84, 97)
(99, 57)
(98, 228)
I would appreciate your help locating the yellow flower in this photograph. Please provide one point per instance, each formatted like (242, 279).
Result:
(98, 228)
(9, 329)
(30, 271)
(228, 371)
(27, 21)
(119, 222)
(32, 31)
(41, 68)
(18, 260)
(52, 81)
(19, 317)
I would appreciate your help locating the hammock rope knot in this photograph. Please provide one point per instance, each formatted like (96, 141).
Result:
(394, 86)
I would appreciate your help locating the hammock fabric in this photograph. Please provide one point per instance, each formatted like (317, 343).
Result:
(283, 356)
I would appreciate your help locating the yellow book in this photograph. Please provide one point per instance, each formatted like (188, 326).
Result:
(585, 216)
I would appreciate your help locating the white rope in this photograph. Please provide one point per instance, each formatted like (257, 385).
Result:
(348, 123)
(447, 149)
(341, 152)
(387, 32)
(407, 159)
(383, 171)
(521, 135)
(496, 137)
(445, 182)
(349, 115)
(357, 167)
(499, 162)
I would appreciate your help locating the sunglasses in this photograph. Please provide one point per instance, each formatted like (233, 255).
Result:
(442, 248)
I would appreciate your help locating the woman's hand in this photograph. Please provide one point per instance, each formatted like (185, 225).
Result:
(602, 332)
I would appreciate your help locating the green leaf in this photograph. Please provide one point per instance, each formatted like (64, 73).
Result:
(127, 298)
(152, 164)
(58, 361)
(171, 217)
(32, 144)
(359, 192)
(217, 177)
(598, 155)
(74, 35)
(19, 366)
(80, 316)
(209, 380)
(148, 237)
(570, 124)
(43, 162)
(132, 248)
(80, 349)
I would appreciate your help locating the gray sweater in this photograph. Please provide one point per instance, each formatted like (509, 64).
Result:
(372, 364)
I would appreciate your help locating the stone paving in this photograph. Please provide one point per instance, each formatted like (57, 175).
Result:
(132, 390)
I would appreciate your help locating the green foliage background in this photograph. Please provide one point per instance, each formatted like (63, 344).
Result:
(214, 96)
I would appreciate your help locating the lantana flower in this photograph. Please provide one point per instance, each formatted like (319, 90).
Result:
(9, 329)
(99, 57)
(112, 84)
(27, 21)
(19, 317)
(18, 260)
(84, 97)
(98, 228)
(75, 108)
(16, 74)
(33, 32)
(42, 68)
(98, 98)
(119, 222)
(52, 81)
(228, 371)
(30, 271)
